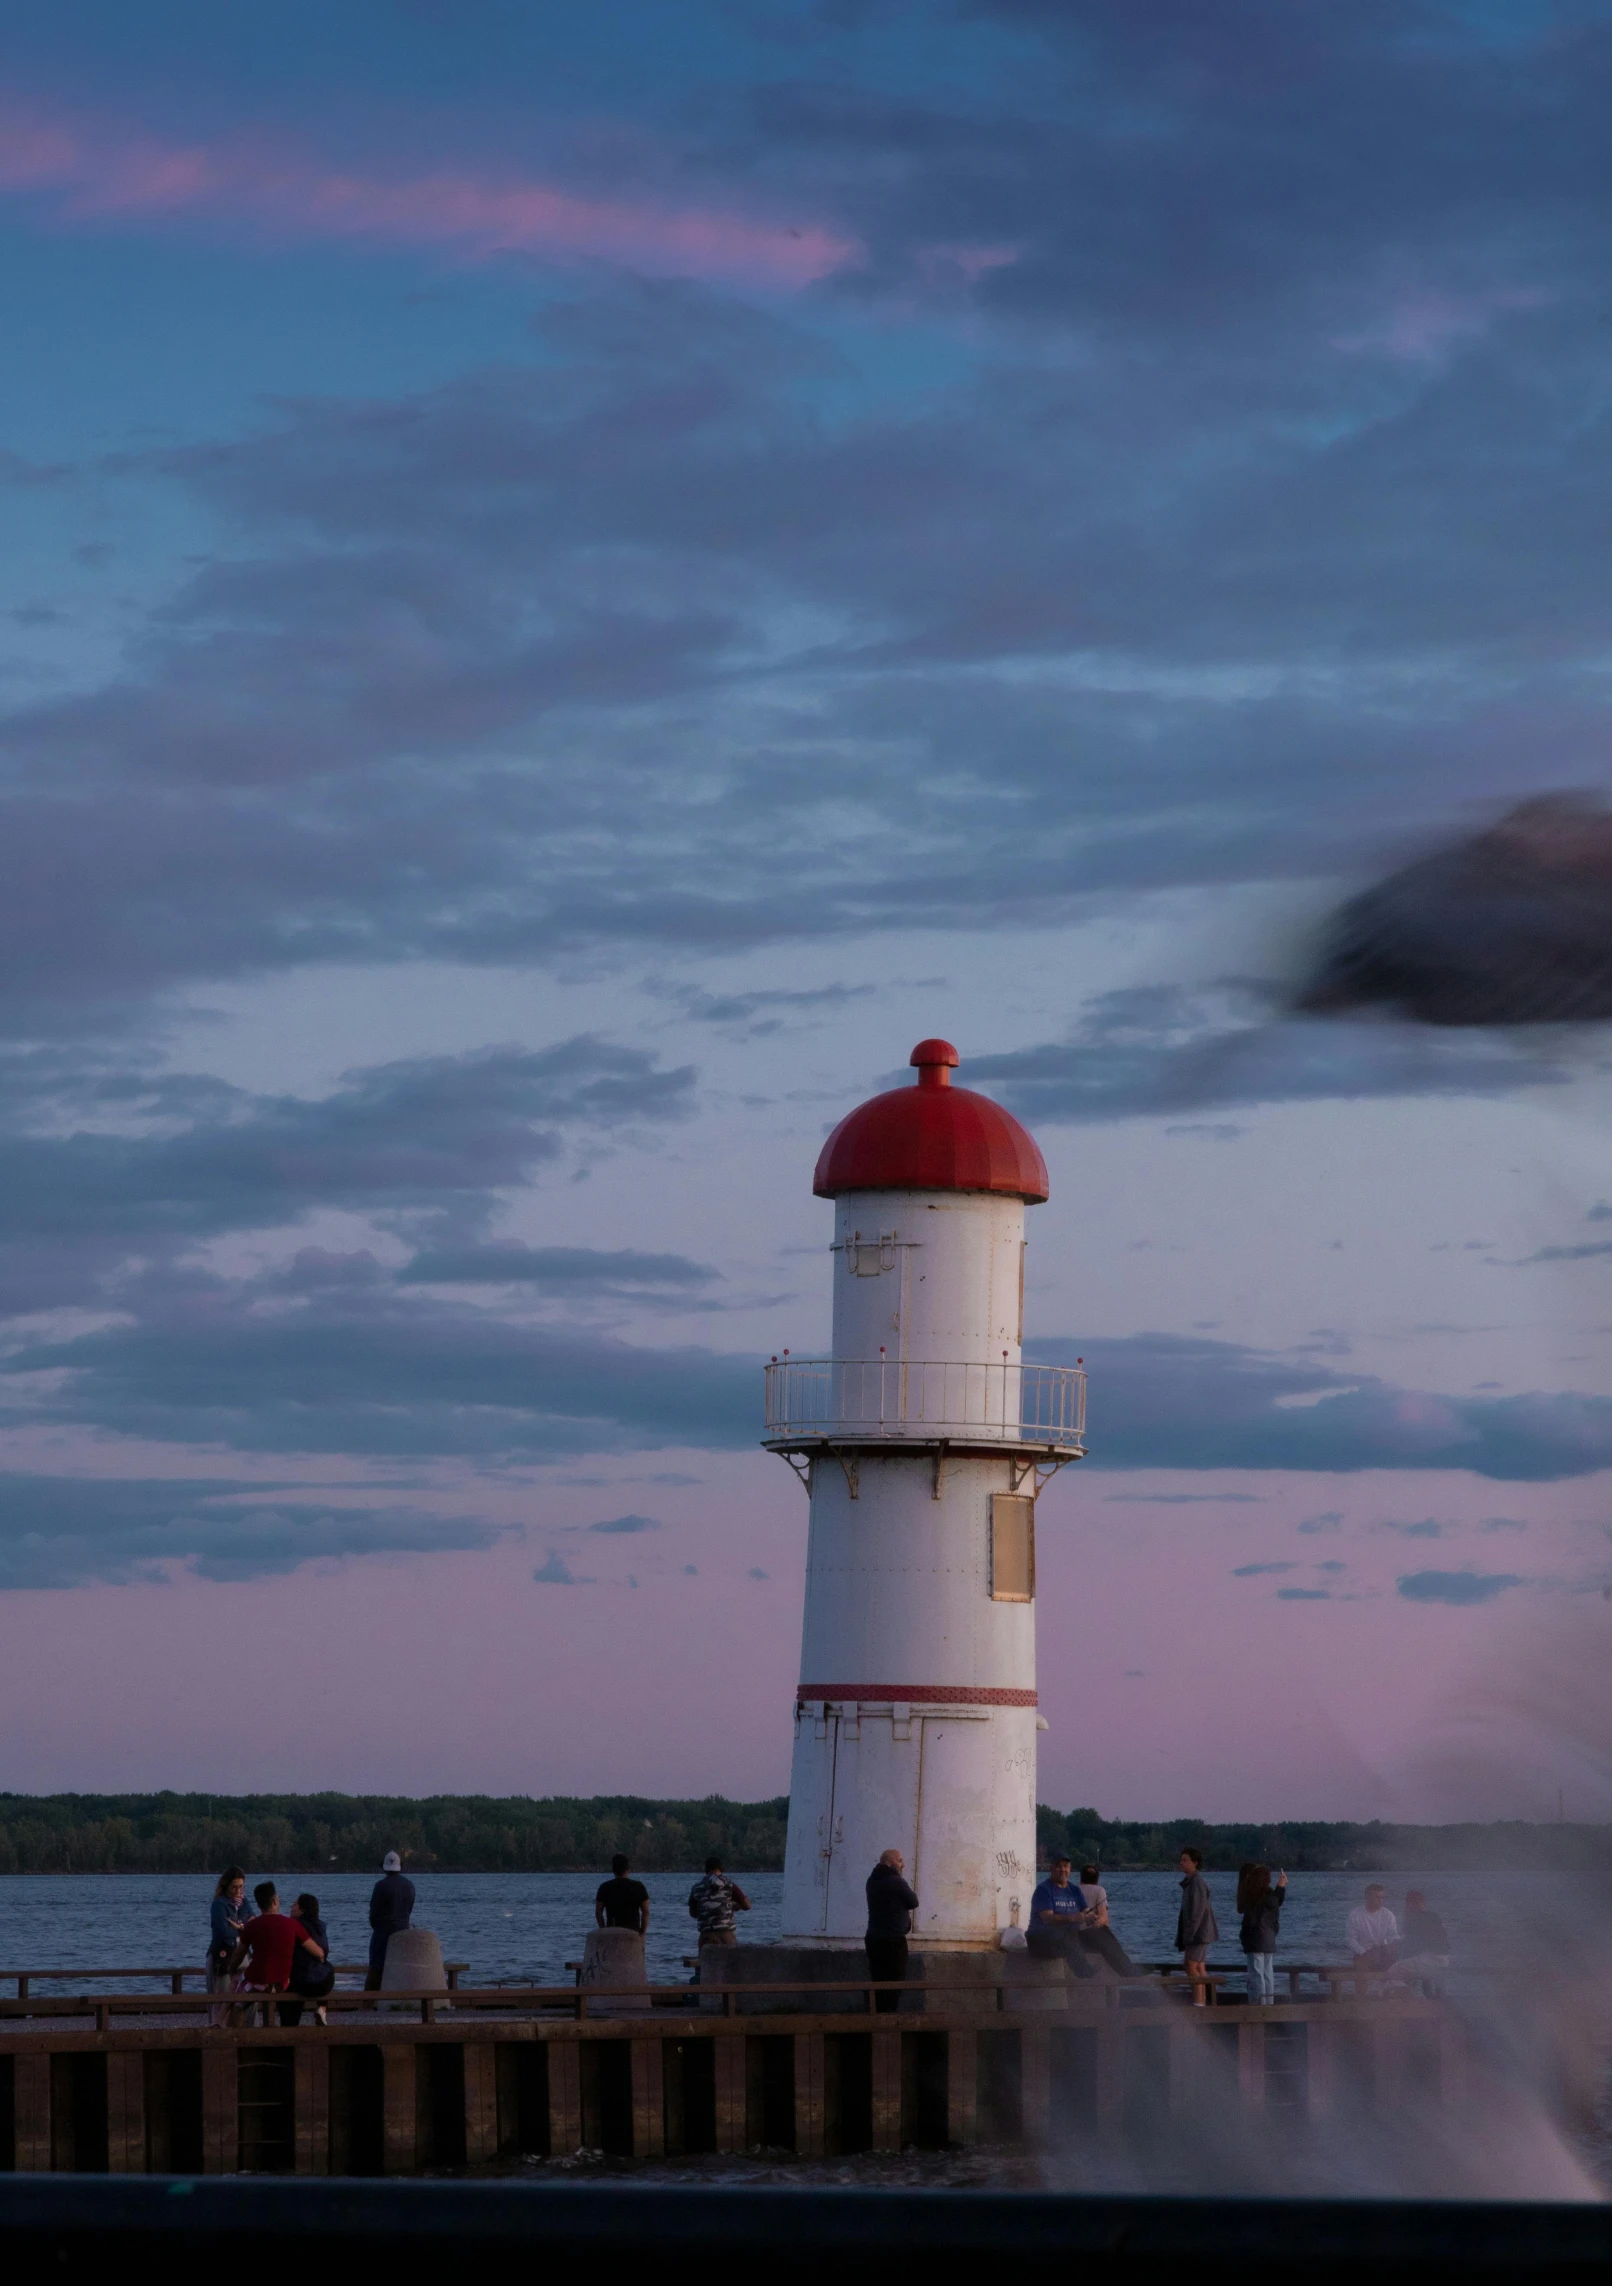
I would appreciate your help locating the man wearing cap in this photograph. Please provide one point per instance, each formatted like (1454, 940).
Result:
(1059, 1911)
(391, 1901)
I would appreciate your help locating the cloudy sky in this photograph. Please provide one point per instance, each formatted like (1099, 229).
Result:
(573, 581)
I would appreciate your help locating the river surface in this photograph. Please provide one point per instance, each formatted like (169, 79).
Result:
(528, 1925)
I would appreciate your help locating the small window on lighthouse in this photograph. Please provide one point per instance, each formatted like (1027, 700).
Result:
(866, 1257)
(1012, 1548)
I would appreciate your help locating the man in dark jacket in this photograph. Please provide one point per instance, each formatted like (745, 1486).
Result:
(1196, 1928)
(391, 1902)
(891, 1905)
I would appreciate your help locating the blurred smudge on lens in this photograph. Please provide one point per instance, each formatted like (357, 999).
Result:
(1510, 926)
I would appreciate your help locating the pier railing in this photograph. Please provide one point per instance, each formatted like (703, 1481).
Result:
(922, 1400)
(177, 1978)
(577, 2002)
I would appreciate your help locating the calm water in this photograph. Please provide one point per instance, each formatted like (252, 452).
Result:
(528, 1925)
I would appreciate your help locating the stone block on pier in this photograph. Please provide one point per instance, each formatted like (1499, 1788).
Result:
(413, 1962)
(615, 1957)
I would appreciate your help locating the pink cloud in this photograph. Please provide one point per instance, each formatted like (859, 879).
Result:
(469, 214)
(1420, 327)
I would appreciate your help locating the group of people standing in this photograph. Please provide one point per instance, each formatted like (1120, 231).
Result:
(1418, 1955)
(1259, 1901)
(1069, 1922)
(269, 1951)
(273, 1952)
(623, 1903)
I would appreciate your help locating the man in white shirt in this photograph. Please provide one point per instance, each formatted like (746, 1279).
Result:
(1372, 1932)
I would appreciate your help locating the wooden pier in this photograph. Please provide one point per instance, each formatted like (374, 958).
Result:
(399, 2082)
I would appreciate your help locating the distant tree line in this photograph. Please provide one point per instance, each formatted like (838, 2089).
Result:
(481, 1833)
(1320, 1846)
(350, 1833)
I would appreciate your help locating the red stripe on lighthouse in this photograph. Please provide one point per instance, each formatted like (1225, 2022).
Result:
(918, 1694)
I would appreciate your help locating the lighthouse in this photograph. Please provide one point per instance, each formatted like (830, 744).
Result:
(923, 1441)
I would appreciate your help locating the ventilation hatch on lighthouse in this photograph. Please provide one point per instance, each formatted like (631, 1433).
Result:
(923, 1440)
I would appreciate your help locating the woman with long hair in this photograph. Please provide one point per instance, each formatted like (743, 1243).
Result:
(312, 1978)
(1260, 1904)
(229, 1918)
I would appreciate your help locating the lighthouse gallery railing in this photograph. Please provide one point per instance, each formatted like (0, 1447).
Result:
(922, 1399)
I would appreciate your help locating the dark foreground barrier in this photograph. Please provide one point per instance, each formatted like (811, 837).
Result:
(64, 2227)
(503, 2075)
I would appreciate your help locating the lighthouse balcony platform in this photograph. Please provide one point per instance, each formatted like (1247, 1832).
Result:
(925, 1401)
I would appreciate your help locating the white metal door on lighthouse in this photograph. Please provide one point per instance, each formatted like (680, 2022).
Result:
(954, 1863)
(873, 1807)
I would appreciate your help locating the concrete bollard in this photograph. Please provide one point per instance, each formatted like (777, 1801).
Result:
(615, 1956)
(413, 1962)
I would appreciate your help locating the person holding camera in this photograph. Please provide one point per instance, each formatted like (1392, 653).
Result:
(1260, 1903)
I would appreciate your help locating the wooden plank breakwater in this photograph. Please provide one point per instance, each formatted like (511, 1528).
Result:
(527, 2075)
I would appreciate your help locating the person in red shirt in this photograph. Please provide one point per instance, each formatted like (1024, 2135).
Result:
(268, 1946)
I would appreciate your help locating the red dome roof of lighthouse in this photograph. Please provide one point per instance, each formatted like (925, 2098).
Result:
(932, 1137)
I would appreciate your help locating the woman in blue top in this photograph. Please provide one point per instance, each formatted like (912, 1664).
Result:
(229, 1918)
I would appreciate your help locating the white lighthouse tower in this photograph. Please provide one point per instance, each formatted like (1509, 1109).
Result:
(923, 1441)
